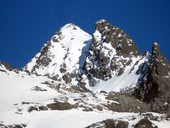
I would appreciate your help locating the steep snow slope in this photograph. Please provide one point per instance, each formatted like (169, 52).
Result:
(64, 53)
(127, 80)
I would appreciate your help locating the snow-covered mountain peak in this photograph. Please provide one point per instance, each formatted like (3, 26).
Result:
(72, 57)
(69, 31)
(101, 21)
(72, 28)
(62, 55)
(69, 26)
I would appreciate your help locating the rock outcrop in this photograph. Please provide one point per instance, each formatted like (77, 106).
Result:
(110, 53)
(109, 123)
(145, 123)
(154, 86)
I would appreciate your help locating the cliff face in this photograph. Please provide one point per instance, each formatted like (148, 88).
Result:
(110, 53)
(154, 86)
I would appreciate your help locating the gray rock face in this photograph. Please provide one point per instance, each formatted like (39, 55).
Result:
(119, 40)
(154, 85)
(144, 123)
(110, 52)
(12, 126)
(9, 67)
(110, 123)
(44, 59)
(127, 103)
(67, 77)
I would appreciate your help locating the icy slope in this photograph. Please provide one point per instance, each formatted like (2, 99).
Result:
(65, 53)
(124, 82)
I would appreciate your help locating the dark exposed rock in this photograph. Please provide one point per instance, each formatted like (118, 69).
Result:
(62, 70)
(54, 39)
(87, 109)
(42, 108)
(60, 106)
(44, 59)
(154, 86)
(9, 67)
(168, 115)
(1, 125)
(17, 126)
(117, 37)
(36, 88)
(144, 123)
(37, 108)
(76, 89)
(56, 77)
(25, 102)
(106, 53)
(110, 123)
(32, 108)
(13, 126)
(2, 70)
(150, 116)
(126, 103)
(67, 77)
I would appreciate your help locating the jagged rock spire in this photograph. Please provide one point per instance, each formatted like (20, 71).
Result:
(119, 40)
(154, 87)
(110, 52)
(155, 50)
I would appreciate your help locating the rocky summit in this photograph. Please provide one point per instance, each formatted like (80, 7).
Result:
(78, 80)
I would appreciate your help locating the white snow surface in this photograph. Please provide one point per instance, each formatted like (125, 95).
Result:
(19, 88)
(97, 35)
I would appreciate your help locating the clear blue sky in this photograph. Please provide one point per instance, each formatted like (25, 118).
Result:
(25, 25)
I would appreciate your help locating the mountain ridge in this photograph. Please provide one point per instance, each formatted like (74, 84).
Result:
(90, 81)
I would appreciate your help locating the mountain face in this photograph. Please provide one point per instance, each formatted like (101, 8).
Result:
(74, 57)
(78, 80)
(62, 57)
(111, 53)
(107, 61)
